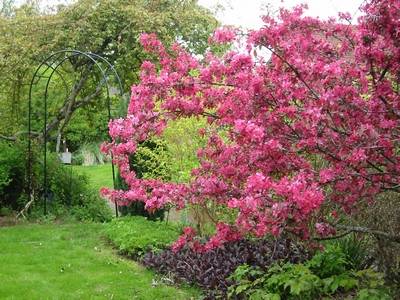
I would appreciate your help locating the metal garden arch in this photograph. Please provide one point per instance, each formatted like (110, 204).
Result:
(50, 65)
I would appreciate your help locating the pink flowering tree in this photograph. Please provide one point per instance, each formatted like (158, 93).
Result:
(294, 139)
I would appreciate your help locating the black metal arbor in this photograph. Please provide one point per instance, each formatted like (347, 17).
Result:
(46, 70)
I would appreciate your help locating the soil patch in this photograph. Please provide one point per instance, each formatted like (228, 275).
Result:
(8, 221)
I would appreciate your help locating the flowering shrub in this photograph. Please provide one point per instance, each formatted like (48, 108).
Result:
(310, 133)
(151, 160)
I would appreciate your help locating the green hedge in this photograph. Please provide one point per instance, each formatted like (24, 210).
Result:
(135, 235)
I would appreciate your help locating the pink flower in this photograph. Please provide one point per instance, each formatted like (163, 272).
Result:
(223, 35)
(326, 175)
(324, 229)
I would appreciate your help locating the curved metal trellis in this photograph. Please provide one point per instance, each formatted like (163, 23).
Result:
(51, 64)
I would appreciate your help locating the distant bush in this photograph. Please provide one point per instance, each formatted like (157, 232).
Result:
(68, 192)
(183, 140)
(92, 208)
(89, 154)
(12, 172)
(383, 215)
(135, 235)
(151, 160)
(5, 211)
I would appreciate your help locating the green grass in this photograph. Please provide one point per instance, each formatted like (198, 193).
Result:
(99, 175)
(72, 262)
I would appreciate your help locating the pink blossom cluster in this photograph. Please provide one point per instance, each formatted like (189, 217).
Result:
(223, 35)
(312, 132)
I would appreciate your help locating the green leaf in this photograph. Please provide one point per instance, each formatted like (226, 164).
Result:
(241, 288)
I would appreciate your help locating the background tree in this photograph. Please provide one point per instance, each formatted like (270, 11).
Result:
(107, 28)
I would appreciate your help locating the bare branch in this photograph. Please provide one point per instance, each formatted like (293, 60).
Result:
(391, 237)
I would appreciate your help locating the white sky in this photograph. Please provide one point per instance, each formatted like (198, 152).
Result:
(247, 13)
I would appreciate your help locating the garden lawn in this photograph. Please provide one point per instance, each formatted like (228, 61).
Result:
(99, 175)
(71, 261)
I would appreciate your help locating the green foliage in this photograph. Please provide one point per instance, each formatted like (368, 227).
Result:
(109, 28)
(314, 279)
(183, 140)
(135, 235)
(373, 294)
(70, 194)
(92, 208)
(86, 128)
(356, 251)
(345, 281)
(69, 191)
(12, 171)
(5, 211)
(292, 280)
(151, 160)
(331, 261)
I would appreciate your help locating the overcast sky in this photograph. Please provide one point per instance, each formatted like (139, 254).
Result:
(247, 13)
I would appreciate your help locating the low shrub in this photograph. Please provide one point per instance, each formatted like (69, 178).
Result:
(69, 194)
(12, 172)
(330, 262)
(135, 235)
(5, 211)
(92, 208)
(357, 250)
(211, 270)
(327, 273)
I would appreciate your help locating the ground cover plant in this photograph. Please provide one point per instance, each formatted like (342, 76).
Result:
(328, 273)
(280, 269)
(71, 261)
(211, 270)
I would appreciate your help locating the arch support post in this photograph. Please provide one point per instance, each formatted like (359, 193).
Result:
(46, 70)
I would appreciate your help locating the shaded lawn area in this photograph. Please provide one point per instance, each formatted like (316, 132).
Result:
(71, 261)
(99, 175)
